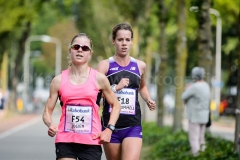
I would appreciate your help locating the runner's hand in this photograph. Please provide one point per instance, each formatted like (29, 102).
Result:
(123, 83)
(104, 136)
(151, 104)
(52, 130)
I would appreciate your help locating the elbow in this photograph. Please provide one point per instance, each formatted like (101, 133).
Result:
(118, 107)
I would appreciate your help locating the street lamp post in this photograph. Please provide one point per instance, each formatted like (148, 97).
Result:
(26, 74)
(218, 57)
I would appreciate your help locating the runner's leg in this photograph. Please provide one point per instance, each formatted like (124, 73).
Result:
(112, 151)
(131, 148)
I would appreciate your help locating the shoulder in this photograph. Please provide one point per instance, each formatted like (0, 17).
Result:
(141, 65)
(105, 61)
(103, 66)
(205, 85)
(56, 81)
(201, 83)
(101, 80)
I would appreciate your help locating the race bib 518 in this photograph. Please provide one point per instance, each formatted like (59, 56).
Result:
(127, 100)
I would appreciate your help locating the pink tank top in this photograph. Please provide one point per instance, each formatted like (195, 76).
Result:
(80, 120)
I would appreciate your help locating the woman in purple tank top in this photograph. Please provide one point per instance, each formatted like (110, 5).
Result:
(127, 78)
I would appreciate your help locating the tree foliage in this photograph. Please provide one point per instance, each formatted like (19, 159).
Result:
(65, 18)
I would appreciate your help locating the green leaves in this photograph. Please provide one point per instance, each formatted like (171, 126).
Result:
(166, 145)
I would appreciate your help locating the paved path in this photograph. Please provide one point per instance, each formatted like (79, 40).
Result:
(224, 127)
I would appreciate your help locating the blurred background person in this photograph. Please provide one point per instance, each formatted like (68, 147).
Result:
(197, 99)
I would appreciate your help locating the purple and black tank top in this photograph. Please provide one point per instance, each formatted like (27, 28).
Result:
(128, 97)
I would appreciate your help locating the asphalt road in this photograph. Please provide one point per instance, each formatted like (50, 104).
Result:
(28, 141)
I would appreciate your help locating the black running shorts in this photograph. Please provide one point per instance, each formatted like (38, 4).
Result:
(80, 151)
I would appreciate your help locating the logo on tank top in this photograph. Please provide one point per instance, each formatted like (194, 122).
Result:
(126, 92)
(114, 69)
(78, 110)
(133, 68)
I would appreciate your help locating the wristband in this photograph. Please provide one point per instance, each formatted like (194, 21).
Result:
(114, 88)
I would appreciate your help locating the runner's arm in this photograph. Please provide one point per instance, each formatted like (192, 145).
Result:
(143, 90)
(104, 86)
(51, 101)
(103, 68)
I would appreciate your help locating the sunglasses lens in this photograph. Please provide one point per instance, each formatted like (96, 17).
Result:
(76, 47)
(85, 48)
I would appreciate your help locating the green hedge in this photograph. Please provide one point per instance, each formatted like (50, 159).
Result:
(166, 145)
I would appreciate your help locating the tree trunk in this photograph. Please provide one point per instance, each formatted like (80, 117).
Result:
(205, 42)
(18, 68)
(4, 73)
(180, 68)
(163, 65)
(237, 127)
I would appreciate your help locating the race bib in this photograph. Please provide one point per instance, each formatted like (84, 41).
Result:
(127, 100)
(78, 119)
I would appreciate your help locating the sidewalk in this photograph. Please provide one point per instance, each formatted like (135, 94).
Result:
(224, 127)
(11, 120)
(222, 122)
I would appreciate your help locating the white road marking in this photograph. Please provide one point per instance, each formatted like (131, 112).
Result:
(20, 127)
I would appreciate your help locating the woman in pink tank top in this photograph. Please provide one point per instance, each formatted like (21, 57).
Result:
(79, 134)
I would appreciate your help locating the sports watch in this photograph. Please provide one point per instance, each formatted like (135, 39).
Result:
(111, 127)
